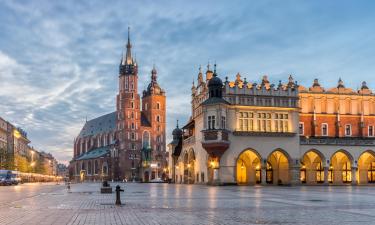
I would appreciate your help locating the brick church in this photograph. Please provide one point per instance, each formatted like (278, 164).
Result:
(128, 144)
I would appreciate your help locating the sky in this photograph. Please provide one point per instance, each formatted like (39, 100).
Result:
(59, 59)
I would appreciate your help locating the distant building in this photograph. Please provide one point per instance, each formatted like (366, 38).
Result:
(130, 142)
(62, 170)
(244, 132)
(17, 154)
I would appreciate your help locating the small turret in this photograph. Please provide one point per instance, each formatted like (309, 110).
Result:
(215, 85)
(340, 83)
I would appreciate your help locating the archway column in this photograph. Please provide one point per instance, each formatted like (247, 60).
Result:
(264, 174)
(326, 168)
(295, 170)
(354, 175)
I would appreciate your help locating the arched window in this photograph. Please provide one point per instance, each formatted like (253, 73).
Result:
(89, 167)
(96, 167)
(146, 139)
(157, 105)
(105, 169)
(146, 106)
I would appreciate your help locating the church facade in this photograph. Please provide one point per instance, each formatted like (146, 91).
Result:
(129, 143)
(249, 133)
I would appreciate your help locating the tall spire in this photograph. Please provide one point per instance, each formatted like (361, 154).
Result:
(153, 74)
(128, 60)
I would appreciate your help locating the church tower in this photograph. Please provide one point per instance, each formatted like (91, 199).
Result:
(128, 115)
(154, 110)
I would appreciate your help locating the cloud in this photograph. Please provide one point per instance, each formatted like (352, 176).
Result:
(59, 60)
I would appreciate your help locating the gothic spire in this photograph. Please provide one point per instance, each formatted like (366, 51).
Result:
(128, 60)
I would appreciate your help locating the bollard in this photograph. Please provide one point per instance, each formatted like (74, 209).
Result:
(118, 190)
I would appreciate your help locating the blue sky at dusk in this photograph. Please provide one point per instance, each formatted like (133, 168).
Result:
(59, 59)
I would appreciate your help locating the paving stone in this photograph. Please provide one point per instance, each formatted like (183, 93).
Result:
(154, 204)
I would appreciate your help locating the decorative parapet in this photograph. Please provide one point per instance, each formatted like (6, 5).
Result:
(346, 141)
(265, 88)
(265, 134)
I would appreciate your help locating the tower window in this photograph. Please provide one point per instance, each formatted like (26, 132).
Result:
(348, 130)
(158, 118)
(370, 131)
(324, 129)
(157, 105)
(301, 128)
(146, 106)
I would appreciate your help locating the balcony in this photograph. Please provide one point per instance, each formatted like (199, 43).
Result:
(345, 141)
(189, 141)
(215, 142)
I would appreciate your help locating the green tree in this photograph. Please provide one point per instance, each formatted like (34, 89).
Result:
(39, 166)
(23, 164)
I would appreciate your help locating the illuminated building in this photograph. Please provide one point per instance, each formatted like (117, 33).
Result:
(244, 132)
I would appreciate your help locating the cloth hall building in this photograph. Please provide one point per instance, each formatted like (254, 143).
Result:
(130, 142)
(248, 133)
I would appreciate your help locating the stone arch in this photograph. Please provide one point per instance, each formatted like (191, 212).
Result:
(340, 170)
(366, 167)
(312, 167)
(248, 167)
(189, 166)
(278, 163)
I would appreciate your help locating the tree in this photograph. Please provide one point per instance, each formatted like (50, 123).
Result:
(23, 164)
(3, 158)
(39, 166)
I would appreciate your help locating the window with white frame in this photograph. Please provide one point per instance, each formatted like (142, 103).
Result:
(281, 122)
(348, 130)
(301, 128)
(211, 122)
(371, 131)
(246, 121)
(324, 129)
(264, 122)
(223, 122)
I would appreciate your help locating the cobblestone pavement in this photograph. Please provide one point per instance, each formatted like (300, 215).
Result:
(187, 204)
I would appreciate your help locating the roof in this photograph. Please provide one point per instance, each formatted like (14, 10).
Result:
(102, 124)
(214, 100)
(191, 123)
(95, 153)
